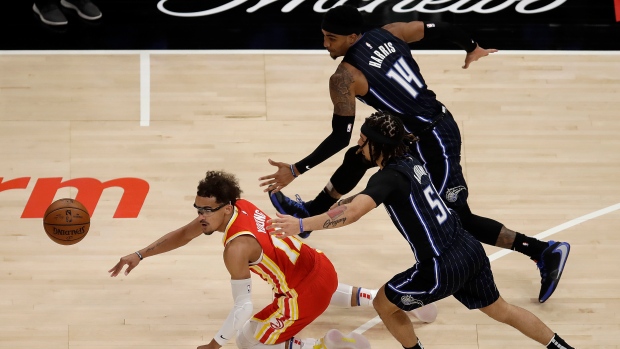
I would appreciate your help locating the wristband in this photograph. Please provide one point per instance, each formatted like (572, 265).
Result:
(139, 255)
(301, 226)
(293, 171)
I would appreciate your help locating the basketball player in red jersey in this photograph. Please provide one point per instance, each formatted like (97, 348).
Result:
(303, 279)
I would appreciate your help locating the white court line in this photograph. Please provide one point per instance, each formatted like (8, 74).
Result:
(145, 64)
(145, 89)
(376, 320)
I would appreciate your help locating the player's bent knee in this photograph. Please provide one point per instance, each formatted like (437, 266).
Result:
(245, 336)
(498, 310)
(382, 305)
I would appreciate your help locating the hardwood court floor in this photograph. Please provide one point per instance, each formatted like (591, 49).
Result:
(541, 150)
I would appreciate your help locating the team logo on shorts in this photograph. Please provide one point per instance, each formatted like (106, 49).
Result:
(277, 324)
(452, 194)
(408, 300)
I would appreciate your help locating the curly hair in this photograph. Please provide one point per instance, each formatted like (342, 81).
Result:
(394, 140)
(223, 186)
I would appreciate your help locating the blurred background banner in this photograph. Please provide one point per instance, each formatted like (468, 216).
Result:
(295, 24)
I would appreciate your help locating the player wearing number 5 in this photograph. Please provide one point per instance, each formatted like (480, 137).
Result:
(304, 281)
(379, 70)
(448, 260)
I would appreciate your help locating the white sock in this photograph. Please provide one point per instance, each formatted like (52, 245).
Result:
(365, 296)
(298, 343)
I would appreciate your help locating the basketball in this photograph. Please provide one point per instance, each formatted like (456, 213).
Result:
(66, 221)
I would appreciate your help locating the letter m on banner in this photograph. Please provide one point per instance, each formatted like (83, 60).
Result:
(89, 193)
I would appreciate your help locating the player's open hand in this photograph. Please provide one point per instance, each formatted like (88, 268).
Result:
(476, 54)
(283, 226)
(130, 260)
(278, 180)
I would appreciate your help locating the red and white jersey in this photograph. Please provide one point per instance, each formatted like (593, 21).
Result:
(284, 263)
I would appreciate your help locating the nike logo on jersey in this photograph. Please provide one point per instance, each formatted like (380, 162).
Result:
(379, 55)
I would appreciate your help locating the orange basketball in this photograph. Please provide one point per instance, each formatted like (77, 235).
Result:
(66, 221)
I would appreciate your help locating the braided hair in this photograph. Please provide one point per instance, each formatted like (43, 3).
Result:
(386, 136)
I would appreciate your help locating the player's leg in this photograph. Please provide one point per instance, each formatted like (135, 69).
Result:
(333, 339)
(347, 296)
(439, 150)
(526, 322)
(396, 321)
(478, 291)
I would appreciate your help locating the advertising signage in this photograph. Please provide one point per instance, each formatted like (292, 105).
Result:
(295, 24)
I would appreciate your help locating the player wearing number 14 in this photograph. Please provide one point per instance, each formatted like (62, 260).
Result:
(378, 69)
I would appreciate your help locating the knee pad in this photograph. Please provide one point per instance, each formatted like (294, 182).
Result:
(245, 336)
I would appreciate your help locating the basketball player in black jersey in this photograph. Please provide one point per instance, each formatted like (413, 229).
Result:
(450, 261)
(378, 69)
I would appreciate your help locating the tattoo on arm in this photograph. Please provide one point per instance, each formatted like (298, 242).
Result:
(333, 220)
(340, 91)
(332, 223)
(337, 211)
(159, 243)
(348, 200)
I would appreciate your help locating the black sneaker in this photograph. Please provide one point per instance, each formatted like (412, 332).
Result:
(551, 265)
(85, 8)
(50, 14)
(285, 205)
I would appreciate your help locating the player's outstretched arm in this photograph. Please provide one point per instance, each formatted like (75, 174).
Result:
(336, 217)
(416, 31)
(168, 242)
(283, 176)
(407, 31)
(476, 54)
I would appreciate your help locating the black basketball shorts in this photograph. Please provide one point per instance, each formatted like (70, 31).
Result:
(463, 271)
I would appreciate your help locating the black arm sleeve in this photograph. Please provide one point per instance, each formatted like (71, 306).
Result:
(335, 142)
(435, 30)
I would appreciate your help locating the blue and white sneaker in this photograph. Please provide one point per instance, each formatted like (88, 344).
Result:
(286, 205)
(551, 264)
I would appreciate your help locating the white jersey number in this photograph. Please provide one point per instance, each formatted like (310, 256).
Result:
(436, 204)
(405, 76)
(292, 253)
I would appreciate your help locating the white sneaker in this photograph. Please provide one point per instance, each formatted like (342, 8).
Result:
(334, 339)
(427, 313)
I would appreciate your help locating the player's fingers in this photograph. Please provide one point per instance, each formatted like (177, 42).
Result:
(276, 163)
(267, 177)
(267, 181)
(116, 269)
(129, 268)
